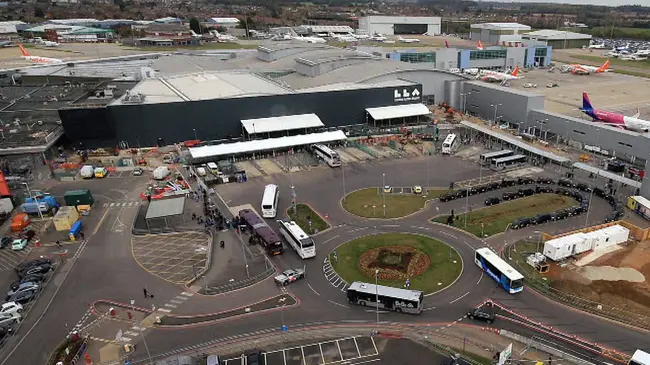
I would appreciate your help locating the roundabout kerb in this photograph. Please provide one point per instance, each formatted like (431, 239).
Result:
(422, 265)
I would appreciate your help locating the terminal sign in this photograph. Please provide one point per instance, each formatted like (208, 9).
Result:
(407, 94)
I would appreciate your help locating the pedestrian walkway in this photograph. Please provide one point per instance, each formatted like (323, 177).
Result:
(121, 204)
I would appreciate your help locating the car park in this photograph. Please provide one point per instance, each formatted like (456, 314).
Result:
(526, 192)
(5, 241)
(509, 196)
(481, 315)
(545, 180)
(11, 308)
(492, 201)
(543, 189)
(289, 276)
(417, 189)
(520, 223)
(19, 244)
(541, 218)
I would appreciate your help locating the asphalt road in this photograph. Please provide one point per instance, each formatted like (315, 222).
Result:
(105, 269)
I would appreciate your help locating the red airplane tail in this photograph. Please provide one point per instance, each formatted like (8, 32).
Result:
(515, 72)
(22, 49)
(604, 67)
(480, 46)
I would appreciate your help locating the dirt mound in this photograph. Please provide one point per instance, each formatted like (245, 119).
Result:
(609, 273)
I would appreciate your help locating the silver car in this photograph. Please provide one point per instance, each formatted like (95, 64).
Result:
(30, 286)
(289, 276)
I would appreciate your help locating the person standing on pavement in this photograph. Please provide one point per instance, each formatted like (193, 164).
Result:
(146, 293)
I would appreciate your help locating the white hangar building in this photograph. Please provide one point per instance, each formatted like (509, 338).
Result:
(394, 25)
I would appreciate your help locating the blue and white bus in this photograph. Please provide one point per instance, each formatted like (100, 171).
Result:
(640, 358)
(493, 265)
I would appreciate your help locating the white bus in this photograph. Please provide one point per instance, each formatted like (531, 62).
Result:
(486, 158)
(298, 239)
(386, 297)
(270, 201)
(502, 163)
(640, 357)
(450, 144)
(327, 154)
(507, 277)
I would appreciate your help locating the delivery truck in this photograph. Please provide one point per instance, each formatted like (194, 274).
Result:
(48, 205)
(65, 218)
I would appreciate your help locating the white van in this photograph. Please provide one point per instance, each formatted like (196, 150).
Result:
(201, 171)
(213, 168)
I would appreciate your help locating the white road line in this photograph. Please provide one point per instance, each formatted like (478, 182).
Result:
(340, 305)
(176, 301)
(170, 305)
(180, 297)
(390, 225)
(336, 282)
(375, 311)
(312, 289)
(364, 362)
(136, 328)
(329, 239)
(448, 234)
(459, 298)
(187, 294)
(164, 310)
(125, 339)
(130, 333)
(428, 309)
(480, 277)
(330, 277)
(112, 204)
(468, 245)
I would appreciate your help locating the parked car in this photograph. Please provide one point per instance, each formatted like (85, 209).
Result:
(577, 210)
(507, 182)
(461, 193)
(388, 189)
(9, 320)
(599, 192)
(543, 189)
(545, 180)
(481, 315)
(482, 188)
(584, 187)
(561, 191)
(577, 195)
(509, 196)
(526, 192)
(255, 358)
(30, 286)
(520, 223)
(5, 241)
(560, 214)
(445, 197)
(289, 276)
(611, 199)
(525, 181)
(28, 234)
(566, 183)
(492, 201)
(11, 308)
(138, 171)
(27, 264)
(34, 278)
(19, 244)
(23, 296)
(36, 270)
(494, 186)
(541, 218)
(5, 332)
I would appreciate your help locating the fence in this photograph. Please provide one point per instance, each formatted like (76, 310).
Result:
(239, 284)
(363, 148)
(640, 234)
(603, 310)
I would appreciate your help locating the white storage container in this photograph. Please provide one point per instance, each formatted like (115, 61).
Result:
(558, 249)
(582, 244)
(617, 234)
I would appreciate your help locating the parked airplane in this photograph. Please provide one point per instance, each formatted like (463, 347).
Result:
(408, 40)
(50, 44)
(378, 38)
(597, 46)
(359, 36)
(494, 76)
(38, 59)
(577, 69)
(342, 38)
(309, 39)
(632, 123)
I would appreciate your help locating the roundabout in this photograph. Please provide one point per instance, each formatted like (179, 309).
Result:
(399, 202)
(395, 258)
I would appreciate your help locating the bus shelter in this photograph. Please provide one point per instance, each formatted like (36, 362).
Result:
(162, 214)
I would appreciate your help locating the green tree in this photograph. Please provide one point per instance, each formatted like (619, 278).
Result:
(195, 25)
(39, 13)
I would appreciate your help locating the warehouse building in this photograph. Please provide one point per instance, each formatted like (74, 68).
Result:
(323, 29)
(558, 39)
(496, 33)
(396, 25)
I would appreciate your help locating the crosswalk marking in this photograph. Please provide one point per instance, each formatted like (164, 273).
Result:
(170, 305)
(112, 204)
(130, 333)
(187, 294)
(164, 310)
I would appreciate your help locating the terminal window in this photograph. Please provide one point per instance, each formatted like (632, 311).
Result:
(418, 57)
(488, 54)
(410, 28)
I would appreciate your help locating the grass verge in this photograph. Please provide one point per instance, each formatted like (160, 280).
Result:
(496, 218)
(441, 272)
(361, 203)
(304, 214)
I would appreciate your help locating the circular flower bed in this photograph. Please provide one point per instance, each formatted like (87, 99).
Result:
(398, 262)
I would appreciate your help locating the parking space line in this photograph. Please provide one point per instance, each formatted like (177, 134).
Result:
(187, 294)
(375, 345)
(284, 357)
(322, 356)
(339, 347)
(302, 350)
(357, 345)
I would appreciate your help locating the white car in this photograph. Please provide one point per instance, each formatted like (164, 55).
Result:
(11, 308)
(289, 276)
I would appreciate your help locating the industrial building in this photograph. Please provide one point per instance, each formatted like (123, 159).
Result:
(223, 22)
(492, 58)
(496, 33)
(395, 25)
(323, 29)
(558, 39)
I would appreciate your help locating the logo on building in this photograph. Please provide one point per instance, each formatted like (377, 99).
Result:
(407, 94)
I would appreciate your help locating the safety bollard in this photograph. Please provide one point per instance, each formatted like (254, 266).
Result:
(111, 311)
(128, 314)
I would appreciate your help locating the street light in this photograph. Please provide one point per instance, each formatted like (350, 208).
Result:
(383, 189)
(343, 173)
(539, 239)
(195, 137)
(466, 204)
(38, 206)
(496, 107)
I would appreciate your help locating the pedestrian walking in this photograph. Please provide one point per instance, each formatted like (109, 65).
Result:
(222, 244)
(146, 293)
(58, 243)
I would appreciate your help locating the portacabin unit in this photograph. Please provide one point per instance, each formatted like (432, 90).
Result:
(617, 234)
(580, 243)
(557, 249)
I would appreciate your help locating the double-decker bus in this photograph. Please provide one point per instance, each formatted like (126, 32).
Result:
(640, 357)
(327, 154)
(297, 239)
(385, 297)
(450, 144)
(261, 233)
(493, 265)
(270, 201)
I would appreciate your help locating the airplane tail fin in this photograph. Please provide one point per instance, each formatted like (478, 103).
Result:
(446, 44)
(604, 67)
(22, 49)
(480, 46)
(515, 72)
(586, 104)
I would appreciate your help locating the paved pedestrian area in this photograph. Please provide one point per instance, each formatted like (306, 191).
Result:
(175, 257)
(321, 353)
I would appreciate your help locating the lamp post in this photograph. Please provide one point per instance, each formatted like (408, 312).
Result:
(466, 204)
(496, 107)
(144, 341)
(195, 137)
(38, 206)
(377, 295)
(539, 240)
(343, 174)
(383, 194)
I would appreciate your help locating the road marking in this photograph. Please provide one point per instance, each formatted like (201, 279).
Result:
(448, 234)
(164, 310)
(390, 225)
(329, 239)
(340, 305)
(428, 309)
(131, 333)
(136, 328)
(364, 362)
(187, 294)
(112, 204)
(459, 298)
(125, 339)
(181, 297)
(479, 279)
(312, 289)
(176, 301)
(468, 245)
(375, 311)
(170, 305)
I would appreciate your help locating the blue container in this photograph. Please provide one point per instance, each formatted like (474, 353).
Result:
(75, 230)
